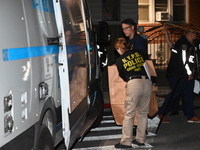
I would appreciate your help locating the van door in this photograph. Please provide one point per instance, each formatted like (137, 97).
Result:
(77, 57)
(73, 68)
(63, 74)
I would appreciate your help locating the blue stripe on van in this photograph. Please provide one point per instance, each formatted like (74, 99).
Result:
(28, 52)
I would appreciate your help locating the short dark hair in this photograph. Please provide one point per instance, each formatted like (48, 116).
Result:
(130, 22)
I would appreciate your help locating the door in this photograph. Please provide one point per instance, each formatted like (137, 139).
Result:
(63, 74)
(73, 65)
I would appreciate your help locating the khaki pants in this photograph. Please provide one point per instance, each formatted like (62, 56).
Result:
(135, 118)
(138, 94)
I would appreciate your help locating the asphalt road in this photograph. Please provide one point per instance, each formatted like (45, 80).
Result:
(176, 135)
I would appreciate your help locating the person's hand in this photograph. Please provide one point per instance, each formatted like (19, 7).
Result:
(190, 77)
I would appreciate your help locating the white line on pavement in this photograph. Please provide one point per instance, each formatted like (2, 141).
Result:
(106, 137)
(106, 128)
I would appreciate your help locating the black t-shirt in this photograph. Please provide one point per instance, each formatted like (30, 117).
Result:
(138, 42)
(131, 63)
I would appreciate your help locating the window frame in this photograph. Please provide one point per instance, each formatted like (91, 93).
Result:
(152, 12)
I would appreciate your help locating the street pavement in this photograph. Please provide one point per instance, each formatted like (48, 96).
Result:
(176, 135)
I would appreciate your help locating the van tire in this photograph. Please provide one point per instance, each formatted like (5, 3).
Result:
(45, 141)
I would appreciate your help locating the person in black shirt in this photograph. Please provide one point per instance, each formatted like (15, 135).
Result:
(129, 28)
(180, 72)
(136, 41)
(175, 106)
(131, 69)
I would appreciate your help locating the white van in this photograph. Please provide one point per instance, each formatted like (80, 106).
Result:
(50, 77)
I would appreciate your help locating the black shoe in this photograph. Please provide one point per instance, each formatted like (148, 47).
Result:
(122, 146)
(137, 143)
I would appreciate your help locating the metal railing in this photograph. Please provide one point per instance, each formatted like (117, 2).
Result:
(158, 47)
(159, 52)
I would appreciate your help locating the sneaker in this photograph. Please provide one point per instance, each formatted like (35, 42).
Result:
(122, 146)
(164, 120)
(195, 119)
(137, 143)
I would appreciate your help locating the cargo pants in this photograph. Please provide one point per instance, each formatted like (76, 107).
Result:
(138, 94)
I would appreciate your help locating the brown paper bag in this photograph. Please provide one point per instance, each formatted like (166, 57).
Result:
(153, 105)
(117, 92)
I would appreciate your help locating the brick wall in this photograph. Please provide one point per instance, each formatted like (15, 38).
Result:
(194, 13)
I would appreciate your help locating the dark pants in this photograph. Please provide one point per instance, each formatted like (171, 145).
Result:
(179, 86)
(176, 105)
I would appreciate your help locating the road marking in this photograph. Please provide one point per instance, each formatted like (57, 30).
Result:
(111, 147)
(108, 117)
(108, 121)
(109, 125)
(107, 128)
(106, 137)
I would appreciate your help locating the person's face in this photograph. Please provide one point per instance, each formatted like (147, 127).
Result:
(119, 50)
(128, 30)
(192, 37)
(67, 36)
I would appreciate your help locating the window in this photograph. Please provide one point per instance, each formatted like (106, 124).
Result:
(179, 8)
(160, 5)
(143, 10)
(147, 10)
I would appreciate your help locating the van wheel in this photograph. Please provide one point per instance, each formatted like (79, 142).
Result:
(45, 139)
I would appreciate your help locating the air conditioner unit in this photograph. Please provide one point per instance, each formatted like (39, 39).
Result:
(162, 16)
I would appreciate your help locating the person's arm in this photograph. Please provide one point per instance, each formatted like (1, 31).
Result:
(170, 43)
